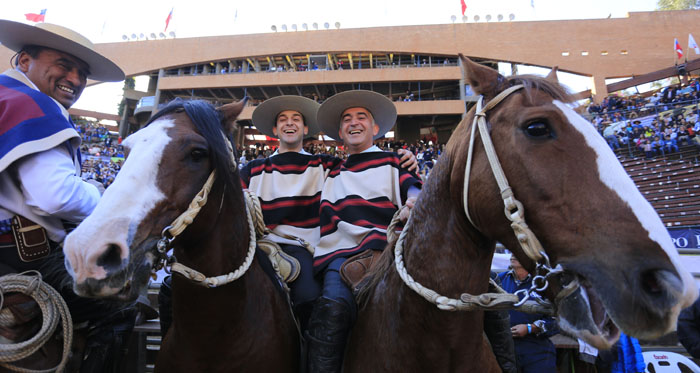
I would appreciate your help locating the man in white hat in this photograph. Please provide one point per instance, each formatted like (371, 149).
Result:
(358, 201)
(41, 192)
(289, 184)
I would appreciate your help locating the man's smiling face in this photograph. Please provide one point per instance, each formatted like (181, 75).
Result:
(290, 128)
(357, 129)
(57, 74)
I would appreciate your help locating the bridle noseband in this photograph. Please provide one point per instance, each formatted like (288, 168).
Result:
(514, 211)
(169, 262)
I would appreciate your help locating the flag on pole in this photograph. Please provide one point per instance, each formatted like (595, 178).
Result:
(464, 6)
(167, 20)
(677, 47)
(36, 17)
(692, 44)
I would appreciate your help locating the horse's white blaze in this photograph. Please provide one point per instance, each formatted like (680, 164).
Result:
(614, 176)
(124, 204)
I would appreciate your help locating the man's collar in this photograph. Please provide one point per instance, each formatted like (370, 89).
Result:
(373, 148)
(515, 278)
(302, 151)
(19, 75)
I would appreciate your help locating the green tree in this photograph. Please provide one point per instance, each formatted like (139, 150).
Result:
(129, 83)
(677, 4)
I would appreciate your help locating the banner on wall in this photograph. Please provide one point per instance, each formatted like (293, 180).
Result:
(686, 238)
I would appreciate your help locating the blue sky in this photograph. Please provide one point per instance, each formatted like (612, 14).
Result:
(108, 21)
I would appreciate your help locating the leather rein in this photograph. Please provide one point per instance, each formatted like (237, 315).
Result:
(170, 232)
(514, 211)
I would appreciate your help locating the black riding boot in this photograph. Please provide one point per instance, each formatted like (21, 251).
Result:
(329, 327)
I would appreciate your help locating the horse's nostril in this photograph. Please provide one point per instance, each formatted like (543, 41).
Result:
(111, 259)
(650, 283)
(663, 287)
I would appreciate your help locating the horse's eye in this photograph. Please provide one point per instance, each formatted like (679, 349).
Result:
(538, 129)
(198, 154)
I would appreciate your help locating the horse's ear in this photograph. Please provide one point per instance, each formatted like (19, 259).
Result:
(230, 112)
(552, 76)
(484, 80)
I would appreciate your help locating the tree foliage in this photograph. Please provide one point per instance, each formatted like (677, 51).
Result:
(677, 4)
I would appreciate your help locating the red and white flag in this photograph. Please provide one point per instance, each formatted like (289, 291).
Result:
(464, 6)
(167, 20)
(677, 47)
(692, 44)
(36, 17)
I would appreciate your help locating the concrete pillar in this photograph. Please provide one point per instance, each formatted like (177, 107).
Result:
(156, 99)
(600, 89)
(407, 131)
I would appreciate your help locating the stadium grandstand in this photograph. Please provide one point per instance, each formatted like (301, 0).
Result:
(655, 134)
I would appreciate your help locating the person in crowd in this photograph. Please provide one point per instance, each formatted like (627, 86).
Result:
(534, 352)
(354, 213)
(41, 192)
(689, 329)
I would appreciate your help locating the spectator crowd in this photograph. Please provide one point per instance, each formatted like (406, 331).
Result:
(656, 124)
(101, 152)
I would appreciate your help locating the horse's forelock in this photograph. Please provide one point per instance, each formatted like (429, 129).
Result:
(208, 122)
(537, 83)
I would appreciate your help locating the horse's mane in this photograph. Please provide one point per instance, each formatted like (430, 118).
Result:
(208, 122)
(386, 260)
(538, 83)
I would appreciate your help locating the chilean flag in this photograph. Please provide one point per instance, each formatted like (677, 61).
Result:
(36, 17)
(464, 7)
(167, 20)
(679, 50)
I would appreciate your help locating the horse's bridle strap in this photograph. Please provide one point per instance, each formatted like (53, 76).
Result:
(185, 219)
(514, 212)
(513, 209)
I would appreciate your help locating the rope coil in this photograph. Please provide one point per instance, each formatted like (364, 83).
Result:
(53, 309)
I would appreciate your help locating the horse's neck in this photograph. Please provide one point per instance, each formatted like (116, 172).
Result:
(215, 244)
(217, 241)
(441, 250)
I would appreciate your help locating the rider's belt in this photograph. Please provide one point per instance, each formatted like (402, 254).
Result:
(30, 239)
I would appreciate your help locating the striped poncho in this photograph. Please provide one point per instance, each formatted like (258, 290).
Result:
(289, 188)
(358, 202)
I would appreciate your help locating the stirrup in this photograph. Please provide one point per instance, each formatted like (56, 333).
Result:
(286, 266)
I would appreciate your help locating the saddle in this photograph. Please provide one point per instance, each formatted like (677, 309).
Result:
(355, 268)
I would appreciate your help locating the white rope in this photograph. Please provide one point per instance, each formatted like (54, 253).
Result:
(53, 308)
(212, 282)
(467, 302)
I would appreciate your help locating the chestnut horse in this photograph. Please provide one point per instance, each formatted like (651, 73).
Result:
(243, 325)
(577, 200)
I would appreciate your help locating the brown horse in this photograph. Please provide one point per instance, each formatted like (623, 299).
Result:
(245, 325)
(577, 199)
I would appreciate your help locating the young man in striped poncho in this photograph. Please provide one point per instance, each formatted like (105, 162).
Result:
(358, 201)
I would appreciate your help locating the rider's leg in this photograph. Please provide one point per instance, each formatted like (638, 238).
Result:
(330, 323)
(306, 288)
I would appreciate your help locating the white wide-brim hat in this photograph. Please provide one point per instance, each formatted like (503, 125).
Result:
(16, 35)
(265, 114)
(382, 109)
